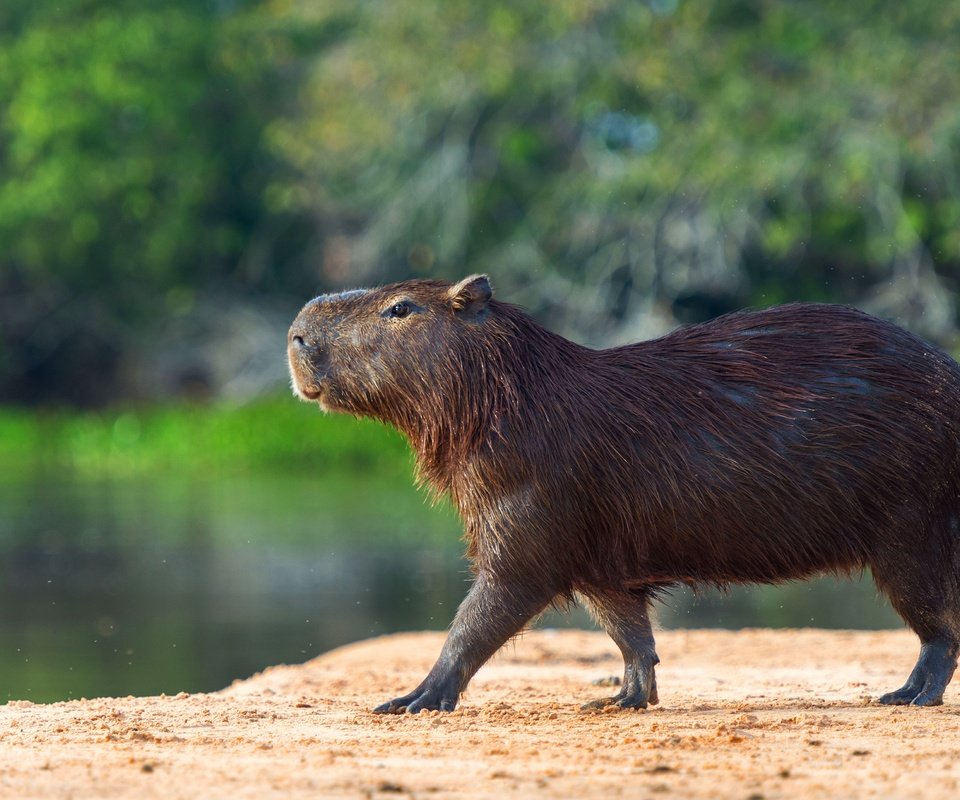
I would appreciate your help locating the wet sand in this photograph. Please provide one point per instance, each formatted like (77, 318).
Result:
(745, 714)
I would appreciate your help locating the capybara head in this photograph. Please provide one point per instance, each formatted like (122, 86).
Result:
(384, 352)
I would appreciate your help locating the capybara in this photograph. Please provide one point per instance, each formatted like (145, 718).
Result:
(759, 447)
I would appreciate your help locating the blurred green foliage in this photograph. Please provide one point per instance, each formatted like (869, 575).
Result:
(218, 440)
(607, 162)
(133, 173)
(818, 143)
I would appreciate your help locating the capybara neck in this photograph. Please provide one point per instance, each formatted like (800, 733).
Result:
(495, 383)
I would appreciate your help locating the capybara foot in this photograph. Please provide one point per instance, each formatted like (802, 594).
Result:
(421, 699)
(621, 702)
(913, 696)
(929, 679)
(634, 697)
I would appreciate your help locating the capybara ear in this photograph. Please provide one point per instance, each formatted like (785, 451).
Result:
(471, 295)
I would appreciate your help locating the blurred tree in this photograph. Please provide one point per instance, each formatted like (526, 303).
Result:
(132, 175)
(617, 166)
(641, 161)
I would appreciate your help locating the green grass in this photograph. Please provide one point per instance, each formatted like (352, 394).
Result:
(271, 434)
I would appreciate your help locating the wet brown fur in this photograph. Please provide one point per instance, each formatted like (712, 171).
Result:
(761, 446)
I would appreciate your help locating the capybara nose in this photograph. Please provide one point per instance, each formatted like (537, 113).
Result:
(297, 341)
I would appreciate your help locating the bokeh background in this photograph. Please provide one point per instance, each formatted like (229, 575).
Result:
(178, 177)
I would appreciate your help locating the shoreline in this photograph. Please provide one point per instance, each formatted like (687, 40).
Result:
(771, 713)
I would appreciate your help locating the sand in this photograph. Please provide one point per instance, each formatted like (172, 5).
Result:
(743, 714)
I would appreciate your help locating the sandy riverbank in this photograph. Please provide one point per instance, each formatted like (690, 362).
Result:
(771, 714)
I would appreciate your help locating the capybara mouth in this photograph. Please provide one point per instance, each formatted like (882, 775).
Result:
(306, 381)
(309, 388)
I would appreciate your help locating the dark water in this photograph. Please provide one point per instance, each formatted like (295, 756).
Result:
(143, 587)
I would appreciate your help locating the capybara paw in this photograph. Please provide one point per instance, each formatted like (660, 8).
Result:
(653, 699)
(426, 700)
(397, 706)
(597, 705)
(619, 700)
(928, 698)
(901, 697)
(913, 696)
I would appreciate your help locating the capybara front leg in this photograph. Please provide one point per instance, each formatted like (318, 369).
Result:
(626, 618)
(492, 612)
(929, 679)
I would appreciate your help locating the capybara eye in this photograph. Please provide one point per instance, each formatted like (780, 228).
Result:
(400, 310)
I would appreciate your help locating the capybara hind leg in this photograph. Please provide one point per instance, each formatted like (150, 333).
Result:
(626, 618)
(926, 599)
(494, 610)
(929, 679)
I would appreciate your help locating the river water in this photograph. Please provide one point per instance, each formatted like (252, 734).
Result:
(178, 584)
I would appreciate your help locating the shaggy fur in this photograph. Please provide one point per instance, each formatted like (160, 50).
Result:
(762, 446)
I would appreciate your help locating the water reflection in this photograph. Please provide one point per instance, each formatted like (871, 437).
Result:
(178, 585)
